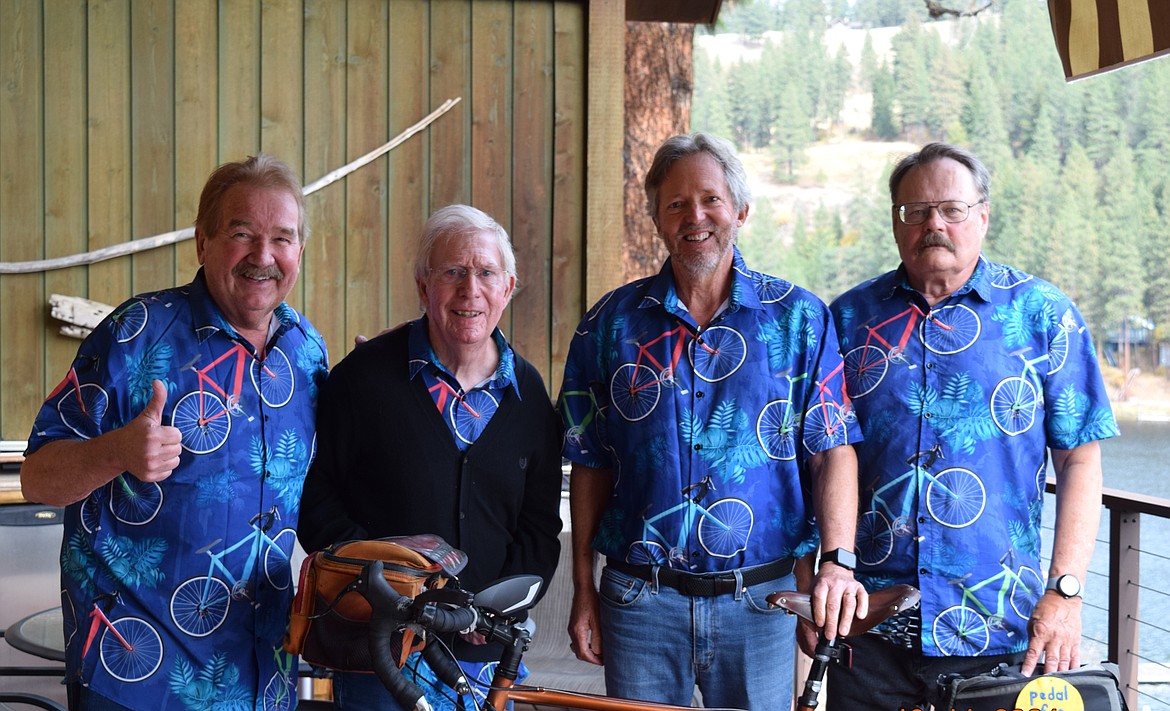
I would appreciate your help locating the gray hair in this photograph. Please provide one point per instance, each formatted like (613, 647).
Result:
(678, 147)
(262, 171)
(463, 222)
(934, 152)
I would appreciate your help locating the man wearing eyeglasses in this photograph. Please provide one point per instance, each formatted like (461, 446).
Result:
(964, 374)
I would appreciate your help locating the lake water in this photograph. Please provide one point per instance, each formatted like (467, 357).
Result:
(1138, 462)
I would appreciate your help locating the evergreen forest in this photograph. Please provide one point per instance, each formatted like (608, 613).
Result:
(1080, 186)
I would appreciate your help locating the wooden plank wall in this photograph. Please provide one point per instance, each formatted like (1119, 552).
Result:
(113, 112)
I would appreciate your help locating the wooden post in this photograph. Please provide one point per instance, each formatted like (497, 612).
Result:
(1125, 574)
(605, 130)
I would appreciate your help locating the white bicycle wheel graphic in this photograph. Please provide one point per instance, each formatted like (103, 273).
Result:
(133, 501)
(1026, 591)
(471, 413)
(647, 553)
(875, 538)
(776, 430)
(824, 427)
(865, 366)
(955, 497)
(277, 565)
(634, 391)
(129, 322)
(960, 632)
(718, 353)
(200, 605)
(140, 655)
(278, 694)
(273, 378)
(202, 420)
(1013, 405)
(82, 409)
(726, 527)
(951, 329)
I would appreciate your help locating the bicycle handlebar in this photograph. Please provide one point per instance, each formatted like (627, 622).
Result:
(393, 612)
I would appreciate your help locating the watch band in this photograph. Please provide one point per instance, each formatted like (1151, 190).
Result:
(845, 558)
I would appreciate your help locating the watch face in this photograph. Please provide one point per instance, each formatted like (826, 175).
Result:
(1068, 586)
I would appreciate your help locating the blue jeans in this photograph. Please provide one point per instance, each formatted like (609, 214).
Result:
(659, 644)
(885, 677)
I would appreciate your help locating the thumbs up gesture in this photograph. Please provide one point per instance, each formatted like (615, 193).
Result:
(152, 448)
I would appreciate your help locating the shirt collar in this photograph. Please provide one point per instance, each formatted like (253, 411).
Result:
(420, 355)
(209, 320)
(979, 281)
(662, 291)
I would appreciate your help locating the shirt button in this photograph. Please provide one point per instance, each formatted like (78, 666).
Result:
(698, 447)
(462, 515)
(929, 366)
(927, 415)
(698, 393)
(921, 519)
(922, 571)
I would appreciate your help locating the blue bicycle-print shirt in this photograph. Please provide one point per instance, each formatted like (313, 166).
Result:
(960, 403)
(176, 594)
(707, 431)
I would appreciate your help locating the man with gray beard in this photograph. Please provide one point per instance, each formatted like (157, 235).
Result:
(964, 375)
(703, 409)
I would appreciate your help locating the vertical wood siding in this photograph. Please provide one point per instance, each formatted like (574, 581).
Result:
(113, 113)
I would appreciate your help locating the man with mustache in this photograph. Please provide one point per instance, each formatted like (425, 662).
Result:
(179, 442)
(704, 423)
(964, 375)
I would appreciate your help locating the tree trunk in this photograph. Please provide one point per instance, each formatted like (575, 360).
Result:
(659, 80)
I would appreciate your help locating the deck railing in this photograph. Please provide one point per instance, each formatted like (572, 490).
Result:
(1124, 513)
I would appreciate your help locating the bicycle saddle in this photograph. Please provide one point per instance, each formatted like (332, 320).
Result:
(883, 604)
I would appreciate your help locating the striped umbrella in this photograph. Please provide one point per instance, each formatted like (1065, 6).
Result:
(1095, 36)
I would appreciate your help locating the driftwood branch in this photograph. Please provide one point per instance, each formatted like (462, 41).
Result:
(80, 315)
(162, 240)
(936, 9)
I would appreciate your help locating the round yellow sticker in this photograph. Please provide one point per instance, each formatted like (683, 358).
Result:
(1050, 693)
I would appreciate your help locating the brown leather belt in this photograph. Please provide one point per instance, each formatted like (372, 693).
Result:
(705, 584)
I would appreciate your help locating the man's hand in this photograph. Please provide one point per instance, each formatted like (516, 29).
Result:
(836, 598)
(1054, 631)
(585, 626)
(151, 448)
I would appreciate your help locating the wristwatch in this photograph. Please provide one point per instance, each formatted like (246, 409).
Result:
(844, 558)
(1065, 585)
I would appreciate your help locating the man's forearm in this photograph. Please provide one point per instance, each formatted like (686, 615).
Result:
(589, 489)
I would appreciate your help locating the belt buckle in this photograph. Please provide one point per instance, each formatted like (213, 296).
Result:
(706, 585)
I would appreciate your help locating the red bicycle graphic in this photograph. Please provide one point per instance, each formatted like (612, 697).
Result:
(204, 416)
(944, 331)
(715, 353)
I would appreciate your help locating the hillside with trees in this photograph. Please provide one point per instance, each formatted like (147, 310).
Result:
(821, 96)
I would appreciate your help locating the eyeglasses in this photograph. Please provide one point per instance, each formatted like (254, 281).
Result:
(453, 274)
(915, 213)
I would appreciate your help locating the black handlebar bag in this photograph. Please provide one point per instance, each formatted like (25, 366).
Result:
(330, 619)
(1093, 687)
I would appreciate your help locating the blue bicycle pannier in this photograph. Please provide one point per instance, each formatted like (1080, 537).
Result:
(1093, 687)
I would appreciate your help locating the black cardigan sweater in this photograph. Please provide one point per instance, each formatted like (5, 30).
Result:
(387, 465)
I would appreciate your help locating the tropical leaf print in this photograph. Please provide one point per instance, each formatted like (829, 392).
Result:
(791, 334)
(789, 522)
(728, 439)
(216, 487)
(134, 562)
(1027, 319)
(960, 414)
(609, 531)
(145, 366)
(77, 562)
(215, 686)
(287, 468)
